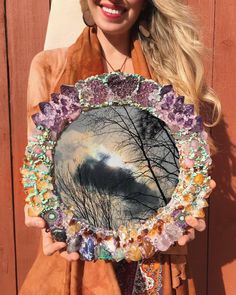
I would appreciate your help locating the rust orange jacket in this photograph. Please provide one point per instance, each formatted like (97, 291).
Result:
(54, 275)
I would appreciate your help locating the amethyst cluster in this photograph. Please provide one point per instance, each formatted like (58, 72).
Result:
(118, 87)
(64, 107)
(122, 86)
(61, 110)
(174, 111)
(92, 91)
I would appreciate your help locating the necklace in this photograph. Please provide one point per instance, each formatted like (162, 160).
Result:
(118, 70)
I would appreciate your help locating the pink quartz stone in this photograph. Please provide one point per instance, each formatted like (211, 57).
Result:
(162, 243)
(185, 148)
(37, 150)
(195, 144)
(173, 232)
(49, 154)
(204, 135)
(188, 163)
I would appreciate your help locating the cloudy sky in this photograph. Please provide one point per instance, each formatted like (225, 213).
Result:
(104, 158)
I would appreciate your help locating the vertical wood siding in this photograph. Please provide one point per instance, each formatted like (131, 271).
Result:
(22, 32)
(7, 243)
(26, 27)
(198, 250)
(222, 230)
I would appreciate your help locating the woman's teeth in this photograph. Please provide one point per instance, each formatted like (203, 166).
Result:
(112, 11)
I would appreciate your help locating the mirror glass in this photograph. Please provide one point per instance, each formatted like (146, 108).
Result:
(116, 165)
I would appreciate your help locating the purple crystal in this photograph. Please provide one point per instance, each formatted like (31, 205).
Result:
(170, 98)
(46, 108)
(188, 123)
(65, 111)
(37, 119)
(171, 116)
(179, 119)
(188, 109)
(178, 105)
(41, 120)
(64, 102)
(165, 106)
(198, 126)
(165, 89)
(122, 86)
(98, 91)
(55, 98)
(180, 100)
(68, 90)
(93, 91)
(144, 91)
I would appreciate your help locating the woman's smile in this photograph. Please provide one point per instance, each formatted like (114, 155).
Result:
(112, 11)
(115, 17)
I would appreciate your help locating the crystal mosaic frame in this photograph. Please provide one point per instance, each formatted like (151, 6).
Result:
(162, 229)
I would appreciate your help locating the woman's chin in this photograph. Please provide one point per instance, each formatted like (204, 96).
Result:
(114, 29)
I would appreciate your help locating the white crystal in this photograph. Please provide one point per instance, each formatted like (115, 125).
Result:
(173, 232)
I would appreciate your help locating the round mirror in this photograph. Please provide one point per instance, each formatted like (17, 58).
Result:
(115, 164)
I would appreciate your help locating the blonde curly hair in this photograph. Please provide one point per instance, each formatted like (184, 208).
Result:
(174, 51)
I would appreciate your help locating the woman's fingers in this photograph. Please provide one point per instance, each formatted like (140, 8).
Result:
(198, 224)
(69, 256)
(212, 184)
(49, 246)
(187, 238)
(33, 221)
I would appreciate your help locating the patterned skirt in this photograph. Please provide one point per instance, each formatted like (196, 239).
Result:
(140, 278)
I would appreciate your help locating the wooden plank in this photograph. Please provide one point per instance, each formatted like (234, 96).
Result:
(205, 12)
(198, 249)
(26, 26)
(222, 242)
(7, 243)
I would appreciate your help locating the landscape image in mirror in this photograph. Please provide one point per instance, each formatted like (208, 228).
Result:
(116, 165)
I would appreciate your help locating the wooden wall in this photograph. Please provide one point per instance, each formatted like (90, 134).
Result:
(22, 31)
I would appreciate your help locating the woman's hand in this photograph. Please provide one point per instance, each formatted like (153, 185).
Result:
(49, 246)
(196, 224)
(33, 221)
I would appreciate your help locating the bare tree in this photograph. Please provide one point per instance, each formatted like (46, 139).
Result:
(108, 197)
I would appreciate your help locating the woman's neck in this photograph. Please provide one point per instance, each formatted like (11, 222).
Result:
(116, 52)
(114, 45)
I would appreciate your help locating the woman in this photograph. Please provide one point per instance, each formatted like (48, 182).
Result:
(156, 39)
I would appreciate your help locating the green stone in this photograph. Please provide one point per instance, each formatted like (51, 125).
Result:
(103, 253)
